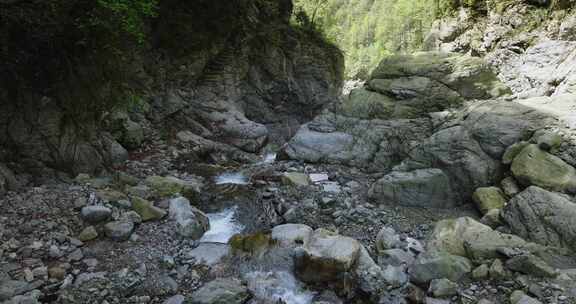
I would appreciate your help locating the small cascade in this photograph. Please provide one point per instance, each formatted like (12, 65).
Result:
(277, 287)
(223, 226)
(269, 158)
(236, 178)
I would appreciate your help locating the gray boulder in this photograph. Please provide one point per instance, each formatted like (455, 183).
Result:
(327, 258)
(469, 76)
(190, 222)
(468, 238)
(119, 230)
(543, 217)
(95, 213)
(469, 148)
(221, 291)
(292, 235)
(420, 188)
(430, 266)
(488, 198)
(534, 166)
(313, 146)
(531, 265)
(519, 297)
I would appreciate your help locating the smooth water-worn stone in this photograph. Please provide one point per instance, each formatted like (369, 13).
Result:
(387, 238)
(119, 230)
(488, 198)
(292, 235)
(147, 210)
(95, 214)
(543, 217)
(430, 266)
(89, 233)
(296, 179)
(190, 222)
(170, 186)
(534, 166)
(420, 188)
(327, 258)
(221, 291)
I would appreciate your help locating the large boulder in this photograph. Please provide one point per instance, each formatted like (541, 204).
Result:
(534, 166)
(170, 186)
(376, 145)
(488, 198)
(147, 210)
(292, 235)
(420, 188)
(468, 76)
(328, 258)
(221, 291)
(365, 104)
(457, 154)
(190, 222)
(469, 148)
(468, 238)
(439, 265)
(543, 217)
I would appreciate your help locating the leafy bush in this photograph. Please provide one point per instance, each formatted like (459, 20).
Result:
(128, 14)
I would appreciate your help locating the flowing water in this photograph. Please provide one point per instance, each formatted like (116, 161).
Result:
(235, 178)
(269, 278)
(271, 287)
(269, 158)
(223, 226)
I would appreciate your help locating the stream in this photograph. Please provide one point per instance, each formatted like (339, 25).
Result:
(269, 278)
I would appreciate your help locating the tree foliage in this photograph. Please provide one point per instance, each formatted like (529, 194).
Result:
(368, 30)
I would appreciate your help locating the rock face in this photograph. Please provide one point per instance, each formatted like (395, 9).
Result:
(227, 86)
(377, 126)
(543, 217)
(535, 56)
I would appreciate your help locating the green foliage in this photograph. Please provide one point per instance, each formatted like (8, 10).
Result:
(129, 15)
(368, 30)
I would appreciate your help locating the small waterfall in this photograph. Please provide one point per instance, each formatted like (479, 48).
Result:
(236, 178)
(277, 287)
(269, 158)
(222, 226)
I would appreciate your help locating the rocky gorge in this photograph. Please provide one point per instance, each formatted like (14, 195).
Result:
(244, 177)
